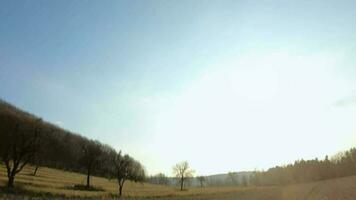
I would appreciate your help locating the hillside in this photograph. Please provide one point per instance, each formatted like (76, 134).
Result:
(26, 139)
(57, 183)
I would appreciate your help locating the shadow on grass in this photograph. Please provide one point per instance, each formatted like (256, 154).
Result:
(179, 190)
(20, 191)
(84, 188)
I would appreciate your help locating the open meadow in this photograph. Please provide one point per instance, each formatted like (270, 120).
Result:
(57, 184)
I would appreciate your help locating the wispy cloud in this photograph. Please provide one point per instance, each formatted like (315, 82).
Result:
(348, 101)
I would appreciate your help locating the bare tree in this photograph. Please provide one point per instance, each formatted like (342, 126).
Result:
(201, 180)
(244, 181)
(159, 178)
(233, 177)
(37, 165)
(20, 142)
(91, 157)
(182, 171)
(126, 168)
(39, 157)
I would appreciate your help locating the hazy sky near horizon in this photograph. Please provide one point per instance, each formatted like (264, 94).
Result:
(225, 85)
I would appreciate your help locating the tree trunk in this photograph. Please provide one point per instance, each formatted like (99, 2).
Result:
(35, 172)
(121, 186)
(10, 182)
(88, 179)
(120, 190)
(181, 183)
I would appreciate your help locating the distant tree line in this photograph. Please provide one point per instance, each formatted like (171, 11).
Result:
(301, 171)
(26, 139)
(160, 179)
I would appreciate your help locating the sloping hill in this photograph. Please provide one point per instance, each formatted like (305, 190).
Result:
(27, 139)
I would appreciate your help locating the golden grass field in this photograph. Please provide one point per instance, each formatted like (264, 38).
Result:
(59, 184)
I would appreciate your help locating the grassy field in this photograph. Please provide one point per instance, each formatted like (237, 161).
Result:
(59, 184)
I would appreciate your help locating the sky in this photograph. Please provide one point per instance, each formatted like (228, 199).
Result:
(226, 85)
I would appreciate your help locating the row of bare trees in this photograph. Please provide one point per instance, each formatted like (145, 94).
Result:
(160, 179)
(26, 139)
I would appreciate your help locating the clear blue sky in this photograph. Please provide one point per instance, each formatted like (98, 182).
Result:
(259, 82)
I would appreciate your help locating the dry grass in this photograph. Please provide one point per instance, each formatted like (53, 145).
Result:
(59, 184)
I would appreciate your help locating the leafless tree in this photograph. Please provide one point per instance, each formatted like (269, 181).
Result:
(182, 171)
(39, 157)
(126, 168)
(20, 142)
(233, 177)
(244, 181)
(91, 157)
(201, 180)
(159, 178)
